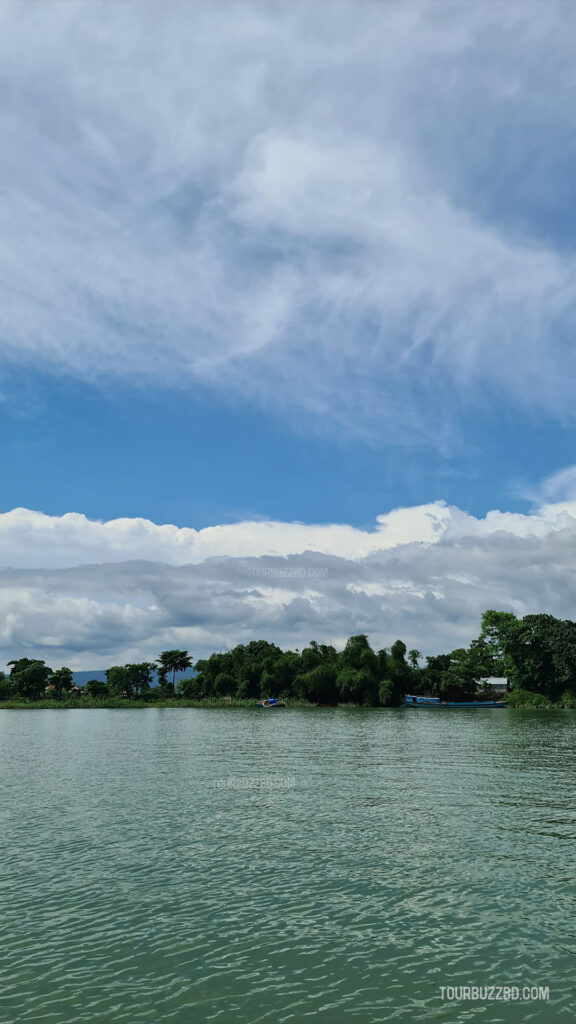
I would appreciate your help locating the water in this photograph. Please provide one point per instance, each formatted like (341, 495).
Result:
(239, 866)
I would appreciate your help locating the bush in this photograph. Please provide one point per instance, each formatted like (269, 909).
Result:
(387, 693)
(518, 698)
(7, 689)
(96, 688)
(191, 689)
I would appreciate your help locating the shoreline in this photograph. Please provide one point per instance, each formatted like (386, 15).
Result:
(86, 704)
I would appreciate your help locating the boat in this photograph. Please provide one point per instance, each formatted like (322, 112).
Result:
(271, 702)
(437, 703)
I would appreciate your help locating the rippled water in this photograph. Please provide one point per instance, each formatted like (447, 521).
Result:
(240, 866)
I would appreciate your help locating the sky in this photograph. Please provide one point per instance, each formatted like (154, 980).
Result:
(287, 311)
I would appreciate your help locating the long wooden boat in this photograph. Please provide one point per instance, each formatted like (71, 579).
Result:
(436, 703)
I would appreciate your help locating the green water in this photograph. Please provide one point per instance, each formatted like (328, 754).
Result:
(241, 866)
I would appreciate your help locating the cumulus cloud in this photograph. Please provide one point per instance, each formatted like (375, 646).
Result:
(283, 201)
(102, 593)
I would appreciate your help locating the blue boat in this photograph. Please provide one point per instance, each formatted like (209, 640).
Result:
(437, 703)
(271, 702)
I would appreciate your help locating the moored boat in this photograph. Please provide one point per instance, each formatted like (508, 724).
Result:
(271, 702)
(411, 701)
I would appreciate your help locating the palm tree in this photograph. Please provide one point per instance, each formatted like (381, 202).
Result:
(174, 661)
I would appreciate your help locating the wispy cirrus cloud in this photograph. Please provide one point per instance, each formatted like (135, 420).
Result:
(329, 209)
(558, 489)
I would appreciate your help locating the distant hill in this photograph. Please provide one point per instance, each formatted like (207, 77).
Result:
(81, 678)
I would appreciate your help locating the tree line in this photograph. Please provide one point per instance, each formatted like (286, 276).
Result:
(537, 654)
(31, 679)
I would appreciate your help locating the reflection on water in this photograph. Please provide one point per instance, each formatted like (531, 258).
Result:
(357, 862)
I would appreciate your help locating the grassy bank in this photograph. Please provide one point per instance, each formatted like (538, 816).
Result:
(522, 699)
(536, 701)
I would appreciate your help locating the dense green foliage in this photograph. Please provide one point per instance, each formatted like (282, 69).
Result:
(125, 680)
(537, 654)
(318, 674)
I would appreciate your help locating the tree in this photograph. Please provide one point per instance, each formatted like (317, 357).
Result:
(543, 655)
(497, 636)
(29, 677)
(62, 680)
(358, 654)
(483, 660)
(459, 680)
(7, 688)
(318, 685)
(357, 679)
(248, 688)
(191, 689)
(387, 693)
(200, 680)
(451, 676)
(207, 672)
(317, 668)
(139, 676)
(173, 661)
(398, 651)
(414, 657)
(118, 680)
(96, 688)
(383, 657)
(432, 675)
(398, 672)
(224, 685)
(253, 667)
(357, 686)
(285, 670)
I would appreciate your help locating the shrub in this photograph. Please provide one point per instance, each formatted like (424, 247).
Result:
(387, 693)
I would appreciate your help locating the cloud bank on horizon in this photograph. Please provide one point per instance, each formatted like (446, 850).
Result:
(330, 210)
(91, 594)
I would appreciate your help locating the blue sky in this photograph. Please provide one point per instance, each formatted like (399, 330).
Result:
(264, 265)
(195, 460)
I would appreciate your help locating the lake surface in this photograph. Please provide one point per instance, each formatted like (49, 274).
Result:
(332, 866)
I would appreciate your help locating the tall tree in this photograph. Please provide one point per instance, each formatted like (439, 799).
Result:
(543, 655)
(174, 661)
(398, 672)
(497, 637)
(414, 657)
(432, 676)
(357, 679)
(118, 681)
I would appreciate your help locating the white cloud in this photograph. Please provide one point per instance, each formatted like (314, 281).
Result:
(282, 201)
(33, 540)
(559, 489)
(91, 594)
